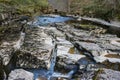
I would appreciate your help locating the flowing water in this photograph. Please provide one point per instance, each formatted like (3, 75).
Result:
(46, 20)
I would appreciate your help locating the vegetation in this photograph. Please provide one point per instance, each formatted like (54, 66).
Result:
(105, 9)
(24, 6)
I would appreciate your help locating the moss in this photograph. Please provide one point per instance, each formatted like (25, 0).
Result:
(88, 26)
(71, 50)
(84, 26)
(97, 73)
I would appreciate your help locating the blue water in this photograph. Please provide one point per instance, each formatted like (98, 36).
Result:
(46, 20)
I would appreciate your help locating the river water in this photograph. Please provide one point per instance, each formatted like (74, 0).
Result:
(46, 20)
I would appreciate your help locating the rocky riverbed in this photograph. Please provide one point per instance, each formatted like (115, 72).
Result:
(60, 51)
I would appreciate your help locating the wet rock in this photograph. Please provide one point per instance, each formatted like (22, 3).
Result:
(36, 49)
(20, 74)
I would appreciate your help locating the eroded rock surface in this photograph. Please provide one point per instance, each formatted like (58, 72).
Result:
(20, 74)
(36, 49)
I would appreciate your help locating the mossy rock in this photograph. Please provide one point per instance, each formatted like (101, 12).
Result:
(85, 26)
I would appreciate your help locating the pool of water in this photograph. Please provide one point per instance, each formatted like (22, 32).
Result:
(46, 20)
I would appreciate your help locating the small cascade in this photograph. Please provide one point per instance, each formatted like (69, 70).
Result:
(52, 61)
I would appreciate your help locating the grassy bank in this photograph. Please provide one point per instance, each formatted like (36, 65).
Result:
(23, 6)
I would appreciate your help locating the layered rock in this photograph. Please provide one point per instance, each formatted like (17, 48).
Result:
(99, 48)
(68, 57)
(36, 49)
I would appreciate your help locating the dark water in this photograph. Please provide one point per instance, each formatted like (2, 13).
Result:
(46, 20)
